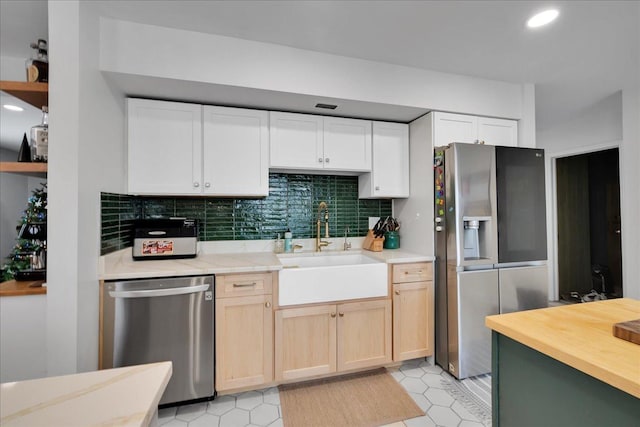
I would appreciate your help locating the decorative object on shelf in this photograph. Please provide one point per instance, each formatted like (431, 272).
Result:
(24, 155)
(38, 65)
(30, 249)
(40, 138)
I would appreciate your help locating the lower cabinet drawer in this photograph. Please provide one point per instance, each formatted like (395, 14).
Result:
(413, 272)
(234, 285)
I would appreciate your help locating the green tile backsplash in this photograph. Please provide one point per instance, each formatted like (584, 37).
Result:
(292, 203)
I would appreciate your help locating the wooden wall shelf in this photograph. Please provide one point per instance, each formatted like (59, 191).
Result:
(36, 94)
(34, 169)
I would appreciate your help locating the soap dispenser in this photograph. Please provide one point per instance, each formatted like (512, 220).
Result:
(288, 241)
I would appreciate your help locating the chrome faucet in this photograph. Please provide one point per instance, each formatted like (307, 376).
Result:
(347, 245)
(322, 209)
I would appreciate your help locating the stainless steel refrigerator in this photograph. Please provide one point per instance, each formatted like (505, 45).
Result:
(491, 247)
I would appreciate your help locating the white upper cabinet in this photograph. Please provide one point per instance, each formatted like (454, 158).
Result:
(448, 128)
(314, 143)
(165, 147)
(235, 152)
(296, 141)
(498, 132)
(389, 177)
(187, 149)
(347, 144)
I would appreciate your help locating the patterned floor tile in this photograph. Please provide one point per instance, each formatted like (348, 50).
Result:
(444, 416)
(419, 377)
(235, 418)
(439, 397)
(264, 414)
(425, 421)
(191, 412)
(205, 420)
(249, 400)
(221, 405)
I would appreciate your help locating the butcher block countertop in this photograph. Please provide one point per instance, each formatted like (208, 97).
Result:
(581, 336)
(122, 396)
(12, 288)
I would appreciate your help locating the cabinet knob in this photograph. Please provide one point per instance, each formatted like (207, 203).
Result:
(341, 314)
(319, 159)
(326, 160)
(438, 228)
(333, 315)
(397, 292)
(196, 184)
(207, 184)
(377, 188)
(267, 304)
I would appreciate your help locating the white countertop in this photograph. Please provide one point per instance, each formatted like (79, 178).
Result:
(122, 396)
(120, 264)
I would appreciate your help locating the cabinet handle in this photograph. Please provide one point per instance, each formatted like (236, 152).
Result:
(267, 304)
(341, 314)
(414, 271)
(243, 285)
(319, 159)
(333, 315)
(377, 188)
(326, 160)
(196, 184)
(397, 292)
(207, 184)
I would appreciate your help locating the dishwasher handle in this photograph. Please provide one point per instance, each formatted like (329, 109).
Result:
(159, 292)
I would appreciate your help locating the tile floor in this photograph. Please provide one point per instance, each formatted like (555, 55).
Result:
(419, 377)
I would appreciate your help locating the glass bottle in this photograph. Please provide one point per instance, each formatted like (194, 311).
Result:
(279, 245)
(38, 65)
(39, 140)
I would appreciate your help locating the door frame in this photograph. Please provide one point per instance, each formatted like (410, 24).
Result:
(552, 208)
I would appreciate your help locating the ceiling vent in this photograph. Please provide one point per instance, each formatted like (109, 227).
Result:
(327, 106)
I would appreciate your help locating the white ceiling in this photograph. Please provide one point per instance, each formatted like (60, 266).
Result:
(586, 55)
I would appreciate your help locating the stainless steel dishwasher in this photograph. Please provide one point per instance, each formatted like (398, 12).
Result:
(155, 320)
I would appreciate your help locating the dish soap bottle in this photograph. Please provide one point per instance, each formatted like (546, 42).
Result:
(288, 241)
(39, 140)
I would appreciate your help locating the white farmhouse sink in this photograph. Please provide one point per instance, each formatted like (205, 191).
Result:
(332, 277)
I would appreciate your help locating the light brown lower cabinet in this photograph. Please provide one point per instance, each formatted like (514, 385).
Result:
(320, 340)
(244, 331)
(413, 307)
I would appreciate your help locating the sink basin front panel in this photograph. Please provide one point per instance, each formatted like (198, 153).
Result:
(322, 284)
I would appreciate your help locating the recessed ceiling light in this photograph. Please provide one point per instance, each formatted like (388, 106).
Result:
(13, 107)
(542, 18)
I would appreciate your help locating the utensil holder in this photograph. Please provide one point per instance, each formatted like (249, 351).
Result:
(391, 240)
(372, 243)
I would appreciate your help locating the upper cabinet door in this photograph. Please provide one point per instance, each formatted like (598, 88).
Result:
(164, 147)
(390, 173)
(450, 128)
(347, 144)
(235, 152)
(296, 141)
(498, 132)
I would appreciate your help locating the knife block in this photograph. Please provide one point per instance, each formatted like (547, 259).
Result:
(372, 243)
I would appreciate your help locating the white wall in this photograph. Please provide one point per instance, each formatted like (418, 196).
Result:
(22, 337)
(148, 50)
(86, 156)
(599, 127)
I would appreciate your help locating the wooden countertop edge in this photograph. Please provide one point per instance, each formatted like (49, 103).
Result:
(13, 288)
(612, 378)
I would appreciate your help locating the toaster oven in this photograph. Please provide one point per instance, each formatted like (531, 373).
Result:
(165, 238)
